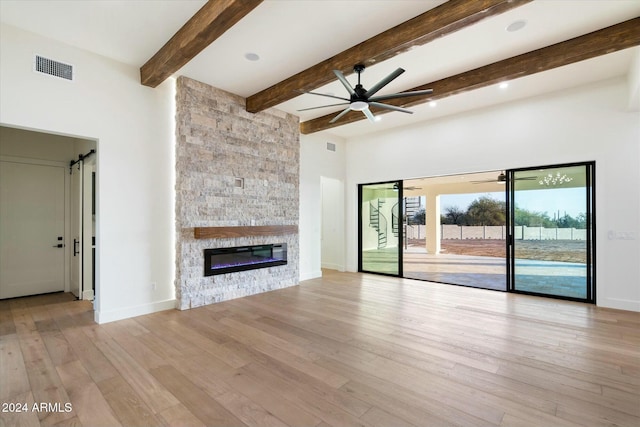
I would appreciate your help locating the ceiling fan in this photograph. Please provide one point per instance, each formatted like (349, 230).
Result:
(502, 179)
(396, 187)
(412, 187)
(360, 99)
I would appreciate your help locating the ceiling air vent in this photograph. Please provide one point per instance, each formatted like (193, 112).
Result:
(53, 68)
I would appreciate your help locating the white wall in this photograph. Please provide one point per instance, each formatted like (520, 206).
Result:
(133, 125)
(587, 123)
(317, 162)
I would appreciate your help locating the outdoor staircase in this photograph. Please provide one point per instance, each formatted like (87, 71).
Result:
(379, 222)
(395, 223)
(411, 206)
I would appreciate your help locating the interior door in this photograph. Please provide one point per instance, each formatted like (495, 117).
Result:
(31, 229)
(380, 228)
(76, 229)
(552, 232)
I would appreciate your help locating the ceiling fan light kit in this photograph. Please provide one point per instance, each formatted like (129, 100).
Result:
(360, 99)
(358, 105)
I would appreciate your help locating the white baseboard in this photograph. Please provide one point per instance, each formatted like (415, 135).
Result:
(125, 313)
(618, 303)
(310, 275)
(330, 266)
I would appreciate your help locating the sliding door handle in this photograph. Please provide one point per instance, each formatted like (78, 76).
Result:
(76, 251)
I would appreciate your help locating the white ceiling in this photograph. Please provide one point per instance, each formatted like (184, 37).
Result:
(290, 36)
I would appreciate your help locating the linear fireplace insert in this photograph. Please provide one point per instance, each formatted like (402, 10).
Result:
(240, 258)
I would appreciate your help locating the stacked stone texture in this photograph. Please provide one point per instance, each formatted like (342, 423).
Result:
(218, 141)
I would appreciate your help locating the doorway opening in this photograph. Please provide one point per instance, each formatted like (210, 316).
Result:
(332, 224)
(458, 234)
(552, 253)
(380, 233)
(47, 199)
(527, 230)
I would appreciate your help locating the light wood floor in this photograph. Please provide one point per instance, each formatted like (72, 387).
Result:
(344, 350)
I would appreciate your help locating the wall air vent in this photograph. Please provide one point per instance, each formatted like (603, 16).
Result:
(53, 68)
(331, 146)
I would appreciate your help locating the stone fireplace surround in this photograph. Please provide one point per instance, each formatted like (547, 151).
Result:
(219, 144)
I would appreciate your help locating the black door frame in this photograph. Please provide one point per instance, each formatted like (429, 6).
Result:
(590, 237)
(400, 184)
(510, 226)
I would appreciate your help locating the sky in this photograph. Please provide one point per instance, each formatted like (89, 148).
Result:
(571, 201)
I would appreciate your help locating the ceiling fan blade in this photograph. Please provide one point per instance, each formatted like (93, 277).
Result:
(323, 106)
(401, 95)
(323, 94)
(344, 82)
(526, 178)
(382, 83)
(369, 115)
(336, 118)
(389, 107)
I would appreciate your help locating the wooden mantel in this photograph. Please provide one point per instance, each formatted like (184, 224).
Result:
(243, 231)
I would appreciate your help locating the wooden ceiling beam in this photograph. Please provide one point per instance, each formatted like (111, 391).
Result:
(209, 23)
(445, 19)
(608, 40)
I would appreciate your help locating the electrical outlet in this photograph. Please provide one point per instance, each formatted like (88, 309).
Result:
(153, 286)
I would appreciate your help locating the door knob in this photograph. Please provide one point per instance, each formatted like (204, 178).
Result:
(59, 245)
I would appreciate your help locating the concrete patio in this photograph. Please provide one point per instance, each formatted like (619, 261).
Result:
(547, 277)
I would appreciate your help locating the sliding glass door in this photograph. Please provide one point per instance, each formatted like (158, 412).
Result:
(551, 235)
(380, 228)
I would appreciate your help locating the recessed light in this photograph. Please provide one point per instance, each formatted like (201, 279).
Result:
(432, 104)
(504, 85)
(252, 56)
(516, 26)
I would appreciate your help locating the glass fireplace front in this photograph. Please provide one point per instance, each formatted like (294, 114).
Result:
(241, 258)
